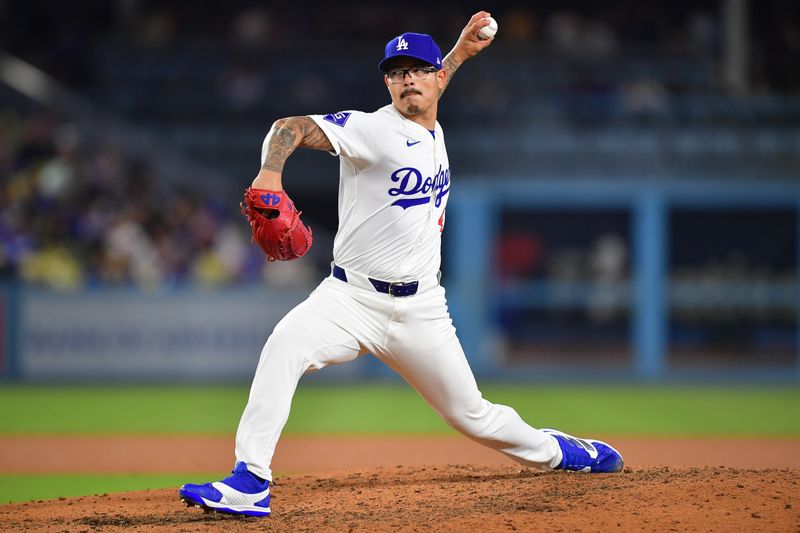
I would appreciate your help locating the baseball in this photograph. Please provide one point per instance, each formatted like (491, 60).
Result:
(487, 32)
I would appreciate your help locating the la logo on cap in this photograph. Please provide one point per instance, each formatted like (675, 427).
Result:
(402, 44)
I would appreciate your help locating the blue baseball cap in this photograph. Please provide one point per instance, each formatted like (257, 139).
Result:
(417, 45)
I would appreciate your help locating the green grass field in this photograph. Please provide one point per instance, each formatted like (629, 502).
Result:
(21, 488)
(385, 409)
(615, 410)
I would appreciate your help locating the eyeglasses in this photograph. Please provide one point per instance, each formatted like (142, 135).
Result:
(397, 75)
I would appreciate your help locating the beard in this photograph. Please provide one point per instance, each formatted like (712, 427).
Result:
(412, 104)
(413, 109)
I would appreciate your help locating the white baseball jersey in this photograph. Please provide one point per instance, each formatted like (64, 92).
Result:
(393, 190)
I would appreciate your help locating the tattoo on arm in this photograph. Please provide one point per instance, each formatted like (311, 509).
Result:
(286, 135)
(449, 65)
(279, 144)
(313, 136)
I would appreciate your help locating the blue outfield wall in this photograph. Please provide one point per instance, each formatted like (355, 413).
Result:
(474, 212)
(124, 334)
(217, 335)
(10, 330)
(169, 335)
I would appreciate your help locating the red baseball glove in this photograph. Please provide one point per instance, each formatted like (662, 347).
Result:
(276, 224)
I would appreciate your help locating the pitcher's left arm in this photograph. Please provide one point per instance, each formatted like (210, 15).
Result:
(467, 46)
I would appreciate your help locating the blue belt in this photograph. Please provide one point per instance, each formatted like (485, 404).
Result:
(395, 288)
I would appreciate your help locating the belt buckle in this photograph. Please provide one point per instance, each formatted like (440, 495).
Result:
(399, 286)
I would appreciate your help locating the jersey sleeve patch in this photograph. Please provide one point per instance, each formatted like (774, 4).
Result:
(338, 118)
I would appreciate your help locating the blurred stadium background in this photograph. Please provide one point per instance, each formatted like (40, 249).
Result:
(626, 200)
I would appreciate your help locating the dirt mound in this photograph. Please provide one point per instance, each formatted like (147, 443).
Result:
(457, 498)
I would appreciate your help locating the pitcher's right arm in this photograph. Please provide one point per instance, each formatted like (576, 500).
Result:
(285, 136)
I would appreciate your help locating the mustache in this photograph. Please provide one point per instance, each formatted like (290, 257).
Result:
(410, 91)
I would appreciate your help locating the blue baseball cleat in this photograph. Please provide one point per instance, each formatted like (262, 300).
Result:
(586, 455)
(240, 493)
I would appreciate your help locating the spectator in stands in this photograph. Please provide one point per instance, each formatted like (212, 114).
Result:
(73, 215)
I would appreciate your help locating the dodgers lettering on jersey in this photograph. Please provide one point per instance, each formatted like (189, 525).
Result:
(393, 191)
(411, 184)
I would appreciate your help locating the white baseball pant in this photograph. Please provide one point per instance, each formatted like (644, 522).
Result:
(414, 335)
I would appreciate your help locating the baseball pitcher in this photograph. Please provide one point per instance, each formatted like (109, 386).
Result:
(383, 295)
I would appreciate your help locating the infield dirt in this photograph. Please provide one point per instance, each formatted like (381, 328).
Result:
(481, 496)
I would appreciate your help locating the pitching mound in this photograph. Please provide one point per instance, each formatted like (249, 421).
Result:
(457, 498)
